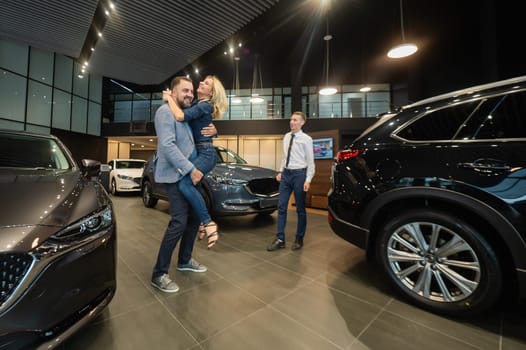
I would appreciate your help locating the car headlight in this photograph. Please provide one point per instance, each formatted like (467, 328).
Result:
(84, 230)
(228, 180)
(124, 177)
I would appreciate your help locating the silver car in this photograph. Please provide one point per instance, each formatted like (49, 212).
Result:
(232, 188)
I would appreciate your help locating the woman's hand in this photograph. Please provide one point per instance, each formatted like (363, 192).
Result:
(167, 95)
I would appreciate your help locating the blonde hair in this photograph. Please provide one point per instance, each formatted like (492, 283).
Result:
(218, 99)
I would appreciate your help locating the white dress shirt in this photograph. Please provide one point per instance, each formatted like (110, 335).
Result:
(301, 153)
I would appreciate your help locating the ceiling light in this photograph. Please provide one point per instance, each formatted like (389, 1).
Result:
(327, 90)
(404, 49)
(365, 89)
(257, 82)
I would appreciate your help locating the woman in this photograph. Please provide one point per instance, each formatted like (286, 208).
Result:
(211, 104)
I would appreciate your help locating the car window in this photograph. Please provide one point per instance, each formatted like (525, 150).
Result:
(507, 118)
(23, 151)
(441, 124)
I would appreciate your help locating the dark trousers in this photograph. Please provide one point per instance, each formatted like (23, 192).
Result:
(292, 182)
(183, 226)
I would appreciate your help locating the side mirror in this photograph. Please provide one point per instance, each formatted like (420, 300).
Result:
(90, 168)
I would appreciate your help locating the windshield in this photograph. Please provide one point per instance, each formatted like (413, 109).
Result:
(129, 164)
(31, 151)
(227, 156)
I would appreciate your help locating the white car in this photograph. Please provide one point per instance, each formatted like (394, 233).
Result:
(125, 175)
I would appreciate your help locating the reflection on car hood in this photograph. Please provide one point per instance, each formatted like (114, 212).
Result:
(243, 171)
(37, 204)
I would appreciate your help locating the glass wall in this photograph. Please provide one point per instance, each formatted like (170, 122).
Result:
(268, 103)
(40, 90)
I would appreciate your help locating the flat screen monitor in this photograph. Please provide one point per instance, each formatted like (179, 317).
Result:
(323, 148)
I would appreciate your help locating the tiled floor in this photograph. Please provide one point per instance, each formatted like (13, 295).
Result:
(326, 296)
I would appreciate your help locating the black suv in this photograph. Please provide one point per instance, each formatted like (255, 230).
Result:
(437, 194)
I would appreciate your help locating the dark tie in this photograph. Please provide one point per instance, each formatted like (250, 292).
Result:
(288, 152)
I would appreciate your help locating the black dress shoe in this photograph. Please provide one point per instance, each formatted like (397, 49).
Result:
(297, 245)
(277, 244)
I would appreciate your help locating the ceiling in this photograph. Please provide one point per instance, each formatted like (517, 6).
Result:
(143, 42)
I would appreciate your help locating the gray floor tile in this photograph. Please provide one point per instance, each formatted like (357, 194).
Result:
(151, 327)
(209, 308)
(334, 315)
(482, 332)
(391, 332)
(267, 281)
(268, 329)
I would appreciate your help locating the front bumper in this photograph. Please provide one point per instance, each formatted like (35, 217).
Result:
(246, 206)
(70, 291)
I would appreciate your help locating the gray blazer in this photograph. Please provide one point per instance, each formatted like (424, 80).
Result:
(175, 144)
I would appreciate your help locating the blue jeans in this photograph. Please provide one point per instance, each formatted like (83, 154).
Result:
(183, 226)
(292, 182)
(194, 198)
(205, 161)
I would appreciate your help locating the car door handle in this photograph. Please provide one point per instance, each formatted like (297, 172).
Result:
(485, 165)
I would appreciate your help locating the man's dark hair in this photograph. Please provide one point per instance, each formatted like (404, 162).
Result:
(177, 80)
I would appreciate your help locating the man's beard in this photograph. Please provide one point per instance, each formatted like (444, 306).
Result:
(185, 103)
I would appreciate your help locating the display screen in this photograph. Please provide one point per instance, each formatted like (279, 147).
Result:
(323, 148)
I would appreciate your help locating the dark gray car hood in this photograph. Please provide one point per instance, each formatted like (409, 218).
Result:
(37, 204)
(243, 171)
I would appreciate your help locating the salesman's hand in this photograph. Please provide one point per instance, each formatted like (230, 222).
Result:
(209, 130)
(196, 175)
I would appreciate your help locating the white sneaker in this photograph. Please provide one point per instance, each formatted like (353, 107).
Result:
(165, 284)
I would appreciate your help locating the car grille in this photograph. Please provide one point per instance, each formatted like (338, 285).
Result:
(264, 187)
(13, 268)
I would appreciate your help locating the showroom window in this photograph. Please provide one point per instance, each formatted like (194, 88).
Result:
(41, 89)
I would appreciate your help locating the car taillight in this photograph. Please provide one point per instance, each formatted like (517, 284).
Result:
(348, 154)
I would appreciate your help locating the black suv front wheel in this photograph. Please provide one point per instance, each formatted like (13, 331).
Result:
(439, 262)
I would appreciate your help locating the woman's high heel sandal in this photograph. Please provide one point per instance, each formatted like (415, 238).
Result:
(211, 233)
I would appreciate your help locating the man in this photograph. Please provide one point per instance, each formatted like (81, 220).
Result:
(175, 144)
(295, 174)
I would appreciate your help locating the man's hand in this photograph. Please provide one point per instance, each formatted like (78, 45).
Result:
(209, 131)
(306, 186)
(278, 177)
(196, 175)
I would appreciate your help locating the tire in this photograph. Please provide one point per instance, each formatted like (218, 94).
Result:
(113, 187)
(148, 199)
(458, 275)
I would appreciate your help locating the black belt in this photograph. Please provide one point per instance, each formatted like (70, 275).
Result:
(294, 170)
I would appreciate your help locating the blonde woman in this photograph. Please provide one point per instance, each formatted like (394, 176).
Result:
(211, 104)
